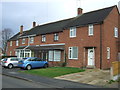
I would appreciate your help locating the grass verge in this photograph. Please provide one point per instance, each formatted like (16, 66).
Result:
(53, 71)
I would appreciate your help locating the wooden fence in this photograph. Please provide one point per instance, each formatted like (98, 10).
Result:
(115, 70)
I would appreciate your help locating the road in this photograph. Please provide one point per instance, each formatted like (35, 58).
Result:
(14, 76)
(10, 82)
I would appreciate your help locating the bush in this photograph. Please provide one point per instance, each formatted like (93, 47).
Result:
(64, 64)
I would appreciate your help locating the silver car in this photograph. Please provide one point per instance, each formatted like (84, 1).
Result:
(10, 62)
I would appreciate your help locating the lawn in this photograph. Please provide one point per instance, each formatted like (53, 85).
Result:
(53, 71)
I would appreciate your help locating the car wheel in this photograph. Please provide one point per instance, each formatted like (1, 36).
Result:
(28, 67)
(10, 66)
(45, 66)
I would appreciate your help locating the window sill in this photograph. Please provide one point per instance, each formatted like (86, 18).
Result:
(90, 35)
(73, 37)
(73, 58)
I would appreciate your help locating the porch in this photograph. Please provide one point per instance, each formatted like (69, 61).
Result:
(54, 54)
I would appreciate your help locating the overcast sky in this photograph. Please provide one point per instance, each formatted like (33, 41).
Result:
(24, 12)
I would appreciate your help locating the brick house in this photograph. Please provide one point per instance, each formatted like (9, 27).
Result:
(88, 40)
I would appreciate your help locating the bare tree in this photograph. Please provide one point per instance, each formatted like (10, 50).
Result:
(6, 34)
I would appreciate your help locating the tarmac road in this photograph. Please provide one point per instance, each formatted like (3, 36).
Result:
(10, 82)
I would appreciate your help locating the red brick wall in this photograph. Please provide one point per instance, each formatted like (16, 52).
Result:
(109, 40)
(82, 40)
(11, 48)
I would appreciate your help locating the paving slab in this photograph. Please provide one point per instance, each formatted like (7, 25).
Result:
(90, 76)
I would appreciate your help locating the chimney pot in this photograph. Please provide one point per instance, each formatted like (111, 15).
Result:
(21, 29)
(34, 24)
(79, 11)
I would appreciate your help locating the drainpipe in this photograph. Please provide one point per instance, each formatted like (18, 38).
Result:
(101, 45)
(27, 45)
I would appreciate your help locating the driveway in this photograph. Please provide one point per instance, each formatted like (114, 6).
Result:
(91, 76)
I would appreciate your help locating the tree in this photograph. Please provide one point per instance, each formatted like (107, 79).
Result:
(6, 34)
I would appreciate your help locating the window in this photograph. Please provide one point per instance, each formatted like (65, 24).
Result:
(56, 37)
(10, 53)
(90, 30)
(17, 42)
(10, 43)
(55, 55)
(23, 41)
(14, 59)
(116, 32)
(31, 39)
(73, 32)
(43, 38)
(73, 52)
(108, 52)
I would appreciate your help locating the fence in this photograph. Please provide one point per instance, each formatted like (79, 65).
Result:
(115, 70)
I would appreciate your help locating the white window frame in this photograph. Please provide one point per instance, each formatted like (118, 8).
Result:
(43, 38)
(53, 57)
(116, 32)
(31, 39)
(72, 32)
(10, 43)
(71, 52)
(91, 30)
(56, 37)
(17, 42)
(108, 52)
(23, 41)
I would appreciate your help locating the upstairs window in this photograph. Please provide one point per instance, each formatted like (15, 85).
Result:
(31, 39)
(116, 32)
(10, 43)
(43, 38)
(56, 37)
(73, 32)
(23, 41)
(90, 30)
(73, 52)
(17, 42)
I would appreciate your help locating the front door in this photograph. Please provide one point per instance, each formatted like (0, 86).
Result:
(91, 57)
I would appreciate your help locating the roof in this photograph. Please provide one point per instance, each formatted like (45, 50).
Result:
(34, 47)
(49, 27)
(17, 36)
(94, 17)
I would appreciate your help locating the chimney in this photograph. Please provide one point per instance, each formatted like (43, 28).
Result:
(79, 11)
(34, 24)
(21, 29)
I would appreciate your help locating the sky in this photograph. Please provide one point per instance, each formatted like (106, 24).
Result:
(15, 13)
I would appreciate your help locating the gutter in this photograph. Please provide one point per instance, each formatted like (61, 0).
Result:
(28, 36)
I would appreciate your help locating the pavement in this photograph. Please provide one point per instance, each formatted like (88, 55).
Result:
(91, 76)
(55, 83)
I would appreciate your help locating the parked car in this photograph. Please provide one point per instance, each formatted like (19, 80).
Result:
(32, 62)
(10, 62)
(1, 61)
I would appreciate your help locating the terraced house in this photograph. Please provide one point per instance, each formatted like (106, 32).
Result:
(88, 40)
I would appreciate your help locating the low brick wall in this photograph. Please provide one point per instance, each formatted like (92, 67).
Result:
(115, 70)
